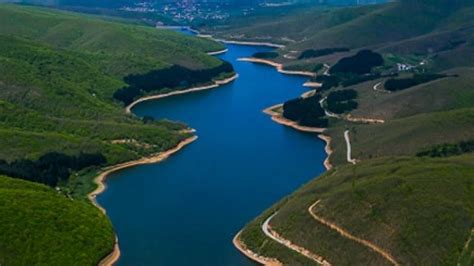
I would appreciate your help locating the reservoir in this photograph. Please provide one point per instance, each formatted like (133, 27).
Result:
(187, 209)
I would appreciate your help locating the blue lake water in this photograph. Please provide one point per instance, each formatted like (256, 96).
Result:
(187, 209)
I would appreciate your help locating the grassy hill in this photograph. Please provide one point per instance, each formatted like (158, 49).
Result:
(146, 47)
(418, 209)
(42, 227)
(437, 30)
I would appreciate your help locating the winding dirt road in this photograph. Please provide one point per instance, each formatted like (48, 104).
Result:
(348, 235)
(267, 230)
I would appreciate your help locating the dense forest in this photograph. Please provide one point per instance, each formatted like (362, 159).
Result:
(265, 55)
(50, 168)
(361, 63)
(351, 70)
(342, 101)
(306, 111)
(175, 77)
(446, 150)
(311, 53)
(405, 83)
(327, 82)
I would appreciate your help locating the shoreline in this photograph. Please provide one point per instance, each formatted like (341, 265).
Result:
(278, 66)
(278, 118)
(216, 84)
(310, 84)
(113, 257)
(223, 51)
(252, 255)
(328, 150)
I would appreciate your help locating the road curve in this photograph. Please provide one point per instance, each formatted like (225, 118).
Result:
(266, 228)
(349, 148)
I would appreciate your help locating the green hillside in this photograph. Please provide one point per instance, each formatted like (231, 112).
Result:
(433, 30)
(420, 210)
(39, 226)
(123, 47)
(416, 210)
(60, 124)
(59, 72)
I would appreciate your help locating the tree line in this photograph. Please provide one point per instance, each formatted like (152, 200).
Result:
(351, 70)
(342, 101)
(265, 55)
(174, 77)
(446, 150)
(405, 83)
(50, 168)
(306, 111)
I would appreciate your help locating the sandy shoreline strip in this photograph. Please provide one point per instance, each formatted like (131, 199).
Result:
(223, 51)
(113, 257)
(277, 117)
(217, 83)
(252, 255)
(310, 84)
(278, 66)
(328, 149)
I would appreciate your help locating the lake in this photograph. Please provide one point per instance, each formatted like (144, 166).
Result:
(187, 209)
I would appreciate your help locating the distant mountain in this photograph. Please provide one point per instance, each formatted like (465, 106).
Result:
(236, 3)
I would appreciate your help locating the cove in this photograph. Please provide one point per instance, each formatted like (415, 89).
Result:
(187, 209)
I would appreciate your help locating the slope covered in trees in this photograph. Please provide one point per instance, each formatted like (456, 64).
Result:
(59, 124)
(58, 74)
(40, 226)
(306, 111)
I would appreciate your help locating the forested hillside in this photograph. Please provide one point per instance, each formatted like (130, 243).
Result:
(60, 123)
(59, 72)
(41, 226)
